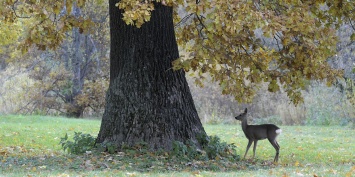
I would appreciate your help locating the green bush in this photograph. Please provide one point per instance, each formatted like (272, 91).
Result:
(212, 148)
(109, 147)
(82, 143)
(217, 148)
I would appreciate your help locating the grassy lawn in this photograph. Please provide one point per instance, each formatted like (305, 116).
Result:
(29, 146)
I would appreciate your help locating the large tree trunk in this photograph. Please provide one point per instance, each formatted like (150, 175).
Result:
(147, 100)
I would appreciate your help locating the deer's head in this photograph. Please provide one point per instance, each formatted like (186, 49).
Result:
(242, 116)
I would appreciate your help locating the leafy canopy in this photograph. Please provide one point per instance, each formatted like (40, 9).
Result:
(239, 43)
(9, 34)
(50, 20)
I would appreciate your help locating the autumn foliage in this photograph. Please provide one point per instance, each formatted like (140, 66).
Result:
(242, 45)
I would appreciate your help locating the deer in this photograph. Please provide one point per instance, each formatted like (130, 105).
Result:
(254, 133)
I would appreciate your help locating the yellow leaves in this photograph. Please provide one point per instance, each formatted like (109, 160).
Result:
(56, 9)
(285, 41)
(146, 16)
(10, 1)
(273, 86)
(136, 12)
(92, 94)
(351, 172)
(81, 3)
(43, 27)
(9, 34)
(131, 174)
(86, 26)
(297, 164)
(352, 37)
(69, 6)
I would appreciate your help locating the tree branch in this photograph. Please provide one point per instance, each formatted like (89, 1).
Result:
(14, 9)
(202, 26)
(351, 24)
(183, 20)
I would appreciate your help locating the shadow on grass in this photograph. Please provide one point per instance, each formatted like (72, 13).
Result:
(129, 162)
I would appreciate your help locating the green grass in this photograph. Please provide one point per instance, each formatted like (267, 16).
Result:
(41, 133)
(29, 146)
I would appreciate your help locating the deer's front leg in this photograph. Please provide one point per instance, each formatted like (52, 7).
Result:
(249, 144)
(255, 143)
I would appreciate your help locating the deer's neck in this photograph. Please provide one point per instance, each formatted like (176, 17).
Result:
(244, 124)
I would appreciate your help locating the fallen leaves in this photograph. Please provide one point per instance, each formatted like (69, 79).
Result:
(7, 151)
(297, 164)
(351, 172)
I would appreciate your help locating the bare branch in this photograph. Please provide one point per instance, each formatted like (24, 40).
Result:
(183, 20)
(351, 24)
(202, 26)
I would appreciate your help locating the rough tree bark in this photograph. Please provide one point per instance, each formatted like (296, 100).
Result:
(147, 101)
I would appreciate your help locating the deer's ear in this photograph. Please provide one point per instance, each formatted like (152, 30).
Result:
(246, 110)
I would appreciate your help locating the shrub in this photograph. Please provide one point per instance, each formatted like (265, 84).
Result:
(216, 148)
(82, 143)
(180, 151)
(212, 148)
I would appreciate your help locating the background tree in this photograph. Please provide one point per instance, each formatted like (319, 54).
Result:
(64, 77)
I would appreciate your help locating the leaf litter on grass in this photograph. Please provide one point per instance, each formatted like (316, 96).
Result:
(142, 163)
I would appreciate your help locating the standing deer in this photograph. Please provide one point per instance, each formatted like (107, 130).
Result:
(259, 132)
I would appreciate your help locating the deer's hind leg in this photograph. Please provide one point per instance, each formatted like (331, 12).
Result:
(277, 148)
